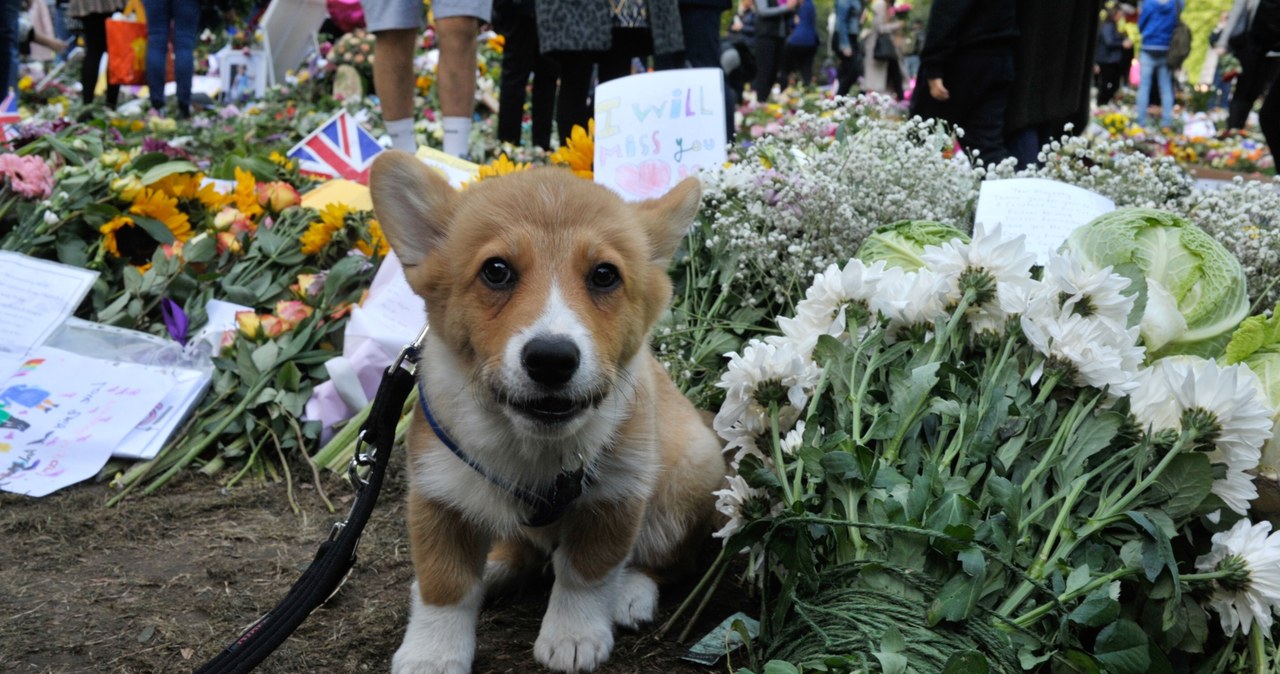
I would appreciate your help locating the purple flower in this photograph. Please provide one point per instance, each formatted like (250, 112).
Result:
(175, 320)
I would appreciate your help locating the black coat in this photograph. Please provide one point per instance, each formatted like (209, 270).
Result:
(1053, 64)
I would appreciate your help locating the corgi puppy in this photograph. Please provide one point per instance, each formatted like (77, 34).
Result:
(546, 428)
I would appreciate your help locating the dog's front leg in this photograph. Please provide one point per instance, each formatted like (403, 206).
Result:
(448, 559)
(589, 563)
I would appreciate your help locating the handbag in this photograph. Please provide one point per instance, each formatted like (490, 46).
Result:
(127, 47)
(884, 49)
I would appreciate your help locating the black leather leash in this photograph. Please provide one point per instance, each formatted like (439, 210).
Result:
(337, 554)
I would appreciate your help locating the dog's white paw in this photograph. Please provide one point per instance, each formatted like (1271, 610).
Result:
(637, 600)
(411, 660)
(573, 650)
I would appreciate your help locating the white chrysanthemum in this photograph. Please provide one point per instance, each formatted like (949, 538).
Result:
(749, 378)
(1093, 293)
(909, 298)
(1226, 402)
(822, 311)
(730, 500)
(1005, 262)
(791, 442)
(1252, 593)
(1102, 354)
(1162, 321)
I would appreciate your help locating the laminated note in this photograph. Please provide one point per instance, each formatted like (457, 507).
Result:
(1045, 211)
(61, 416)
(36, 296)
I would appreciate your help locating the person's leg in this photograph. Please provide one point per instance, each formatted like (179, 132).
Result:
(545, 74)
(186, 23)
(1148, 67)
(159, 21)
(766, 49)
(1269, 117)
(1165, 78)
(575, 84)
(807, 55)
(9, 10)
(457, 79)
(1249, 85)
(518, 59)
(95, 45)
(396, 25)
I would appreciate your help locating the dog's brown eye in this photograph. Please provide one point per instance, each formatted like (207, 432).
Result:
(604, 277)
(497, 274)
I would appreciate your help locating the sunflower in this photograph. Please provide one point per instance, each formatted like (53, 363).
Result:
(499, 167)
(320, 233)
(282, 161)
(179, 185)
(245, 196)
(109, 231)
(376, 242)
(578, 152)
(159, 206)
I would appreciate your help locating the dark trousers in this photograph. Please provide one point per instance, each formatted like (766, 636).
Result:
(1256, 72)
(848, 70)
(796, 58)
(1108, 81)
(1269, 116)
(520, 59)
(979, 83)
(768, 50)
(95, 45)
(573, 102)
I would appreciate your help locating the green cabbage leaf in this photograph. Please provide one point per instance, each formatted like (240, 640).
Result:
(900, 244)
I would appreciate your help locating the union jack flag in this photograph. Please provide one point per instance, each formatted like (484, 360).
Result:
(340, 148)
(8, 114)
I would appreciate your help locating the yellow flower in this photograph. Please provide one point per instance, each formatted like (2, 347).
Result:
(424, 83)
(179, 185)
(376, 245)
(137, 125)
(162, 124)
(211, 198)
(109, 233)
(578, 152)
(245, 196)
(26, 83)
(499, 167)
(320, 233)
(497, 43)
(281, 161)
(128, 187)
(159, 206)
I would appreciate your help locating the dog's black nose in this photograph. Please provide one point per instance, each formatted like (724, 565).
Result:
(550, 361)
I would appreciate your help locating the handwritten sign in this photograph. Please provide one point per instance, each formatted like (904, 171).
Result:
(36, 296)
(655, 129)
(1045, 211)
(456, 171)
(61, 415)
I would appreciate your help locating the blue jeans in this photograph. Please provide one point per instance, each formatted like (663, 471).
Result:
(1157, 64)
(176, 20)
(9, 10)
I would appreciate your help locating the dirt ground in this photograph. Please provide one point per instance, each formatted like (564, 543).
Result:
(164, 582)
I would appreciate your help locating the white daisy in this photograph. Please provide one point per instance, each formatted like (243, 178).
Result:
(1094, 293)
(823, 310)
(1223, 403)
(764, 373)
(1102, 354)
(730, 500)
(994, 266)
(1251, 592)
(793, 439)
(909, 298)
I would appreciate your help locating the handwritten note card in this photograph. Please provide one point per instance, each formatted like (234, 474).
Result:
(61, 415)
(655, 129)
(1045, 211)
(36, 296)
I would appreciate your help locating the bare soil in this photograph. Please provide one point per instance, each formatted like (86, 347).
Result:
(163, 582)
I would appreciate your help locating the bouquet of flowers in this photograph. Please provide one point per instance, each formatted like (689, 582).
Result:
(965, 464)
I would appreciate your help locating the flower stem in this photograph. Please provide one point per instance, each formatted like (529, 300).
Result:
(1029, 618)
(777, 454)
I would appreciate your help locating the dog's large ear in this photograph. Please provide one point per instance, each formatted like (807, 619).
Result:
(668, 217)
(412, 202)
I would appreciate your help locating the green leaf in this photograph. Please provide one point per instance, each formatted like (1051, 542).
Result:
(1096, 610)
(264, 357)
(839, 465)
(160, 171)
(155, 228)
(1122, 647)
(289, 377)
(890, 654)
(1075, 662)
(973, 562)
(780, 667)
(1078, 578)
(951, 509)
(200, 250)
(967, 662)
(955, 601)
(1157, 553)
(1185, 483)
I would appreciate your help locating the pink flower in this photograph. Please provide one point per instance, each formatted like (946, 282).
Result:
(273, 327)
(278, 196)
(292, 312)
(28, 176)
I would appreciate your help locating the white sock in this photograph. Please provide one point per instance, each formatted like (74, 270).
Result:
(457, 135)
(402, 138)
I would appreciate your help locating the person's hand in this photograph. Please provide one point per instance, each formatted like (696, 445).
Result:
(1126, 45)
(937, 90)
(1096, 69)
(847, 51)
(737, 25)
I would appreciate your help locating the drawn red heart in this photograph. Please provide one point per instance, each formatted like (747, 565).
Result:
(646, 180)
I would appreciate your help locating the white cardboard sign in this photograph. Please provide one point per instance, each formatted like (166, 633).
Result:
(655, 129)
